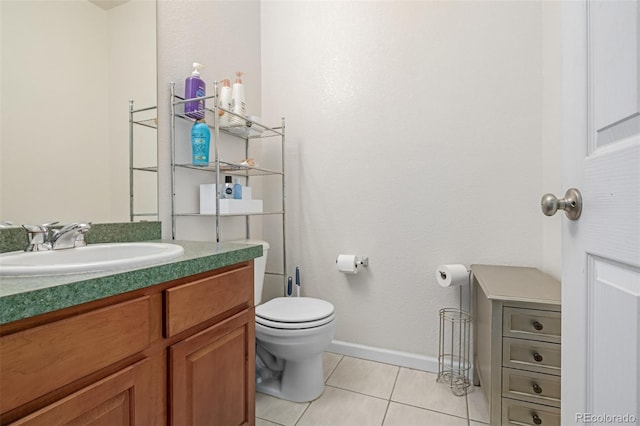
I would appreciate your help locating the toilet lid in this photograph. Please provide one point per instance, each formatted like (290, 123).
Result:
(294, 325)
(294, 310)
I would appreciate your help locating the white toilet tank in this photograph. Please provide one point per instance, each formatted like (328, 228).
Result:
(259, 268)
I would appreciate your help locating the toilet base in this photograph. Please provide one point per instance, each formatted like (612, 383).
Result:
(300, 381)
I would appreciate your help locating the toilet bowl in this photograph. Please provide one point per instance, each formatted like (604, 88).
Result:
(291, 335)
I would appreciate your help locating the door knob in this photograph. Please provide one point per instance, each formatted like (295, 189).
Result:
(571, 204)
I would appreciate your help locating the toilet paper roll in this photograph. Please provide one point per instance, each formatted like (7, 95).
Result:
(452, 275)
(348, 263)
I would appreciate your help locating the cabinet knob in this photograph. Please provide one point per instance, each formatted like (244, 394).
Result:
(538, 325)
(537, 388)
(537, 357)
(536, 419)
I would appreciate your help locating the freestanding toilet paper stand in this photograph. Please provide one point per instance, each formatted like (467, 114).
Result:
(454, 363)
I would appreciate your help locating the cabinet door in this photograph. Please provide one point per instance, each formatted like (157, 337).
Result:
(39, 360)
(115, 400)
(212, 375)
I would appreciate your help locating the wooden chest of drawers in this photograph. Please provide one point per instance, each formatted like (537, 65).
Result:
(517, 330)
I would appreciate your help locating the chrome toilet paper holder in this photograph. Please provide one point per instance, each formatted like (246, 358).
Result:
(351, 263)
(360, 261)
(363, 261)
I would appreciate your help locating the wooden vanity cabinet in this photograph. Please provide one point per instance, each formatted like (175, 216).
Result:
(179, 353)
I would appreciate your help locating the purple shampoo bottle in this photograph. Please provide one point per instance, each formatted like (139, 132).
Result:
(194, 87)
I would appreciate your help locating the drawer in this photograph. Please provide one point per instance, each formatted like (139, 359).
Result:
(525, 413)
(42, 359)
(190, 304)
(531, 324)
(530, 386)
(530, 355)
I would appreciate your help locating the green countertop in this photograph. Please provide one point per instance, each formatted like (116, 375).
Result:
(24, 297)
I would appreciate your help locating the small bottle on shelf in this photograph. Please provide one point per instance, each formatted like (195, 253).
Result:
(237, 99)
(227, 190)
(237, 190)
(225, 101)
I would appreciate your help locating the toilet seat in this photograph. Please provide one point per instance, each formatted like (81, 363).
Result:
(294, 313)
(294, 325)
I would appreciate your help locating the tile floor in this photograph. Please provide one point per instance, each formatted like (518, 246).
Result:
(359, 392)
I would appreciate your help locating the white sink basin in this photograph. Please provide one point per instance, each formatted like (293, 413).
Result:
(92, 258)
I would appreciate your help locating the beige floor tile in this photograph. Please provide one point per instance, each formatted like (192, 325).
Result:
(404, 415)
(472, 423)
(368, 377)
(477, 405)
(261, 422)
(337, 407)
(420, 389)
(329, 363)
(278, 410)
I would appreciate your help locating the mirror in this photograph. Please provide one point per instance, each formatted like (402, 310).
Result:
(68, 71)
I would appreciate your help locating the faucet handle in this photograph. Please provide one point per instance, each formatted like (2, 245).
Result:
(39, 228)
(38, 236)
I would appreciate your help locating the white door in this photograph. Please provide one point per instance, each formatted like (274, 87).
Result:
(601, 250)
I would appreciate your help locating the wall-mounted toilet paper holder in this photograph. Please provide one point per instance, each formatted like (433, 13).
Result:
(363, 261)
(351, 263)
(359, 260)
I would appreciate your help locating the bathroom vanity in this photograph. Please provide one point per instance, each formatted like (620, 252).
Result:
(180, 351)
(517, 344)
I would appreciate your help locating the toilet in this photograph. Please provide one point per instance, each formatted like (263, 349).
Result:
(291, 335)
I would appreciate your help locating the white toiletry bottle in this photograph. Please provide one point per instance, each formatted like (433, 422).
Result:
(238, 105)
(225, 101)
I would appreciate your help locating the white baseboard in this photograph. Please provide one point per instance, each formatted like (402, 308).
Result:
(387, 356)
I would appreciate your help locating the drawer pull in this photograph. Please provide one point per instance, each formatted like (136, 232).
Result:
(538, 325)
(536, 419)
(537, 357)
(537, 388)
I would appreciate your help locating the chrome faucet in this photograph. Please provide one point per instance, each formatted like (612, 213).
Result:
(70, 236)
(38, 237)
